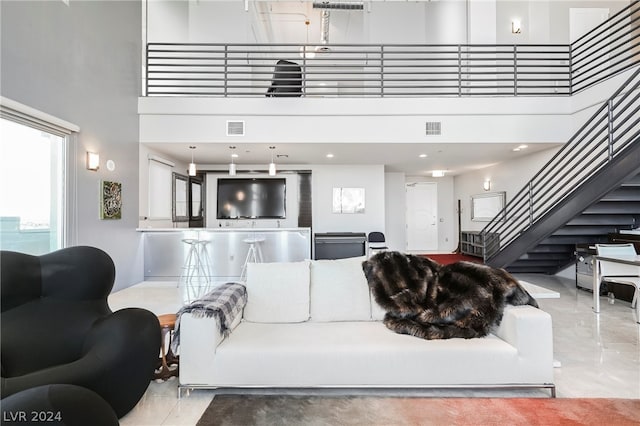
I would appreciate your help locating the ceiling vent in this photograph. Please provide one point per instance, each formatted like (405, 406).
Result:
(433, 128)
(235, 128)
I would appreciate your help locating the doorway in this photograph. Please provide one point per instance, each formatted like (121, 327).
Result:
(422, 216)
(197, 202)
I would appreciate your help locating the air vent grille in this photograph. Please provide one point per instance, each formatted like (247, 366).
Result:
(235, 128)
(433, 128)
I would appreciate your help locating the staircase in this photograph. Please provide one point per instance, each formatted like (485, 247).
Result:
(616, 211)
(589, 189)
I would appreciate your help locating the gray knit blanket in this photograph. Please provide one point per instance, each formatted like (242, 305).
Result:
(224, 304)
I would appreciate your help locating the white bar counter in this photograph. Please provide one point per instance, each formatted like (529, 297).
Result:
(165, 251)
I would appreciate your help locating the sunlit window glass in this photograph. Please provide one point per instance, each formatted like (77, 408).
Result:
(31, 189)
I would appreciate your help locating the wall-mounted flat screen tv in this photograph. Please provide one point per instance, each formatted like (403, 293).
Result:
(258, 198)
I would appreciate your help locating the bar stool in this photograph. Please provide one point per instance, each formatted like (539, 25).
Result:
(254, 254)
(167, 357)
(195, 279)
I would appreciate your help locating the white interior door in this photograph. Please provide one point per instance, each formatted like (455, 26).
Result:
(422, 216)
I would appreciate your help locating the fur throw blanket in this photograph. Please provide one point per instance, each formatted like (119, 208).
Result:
(432, 301)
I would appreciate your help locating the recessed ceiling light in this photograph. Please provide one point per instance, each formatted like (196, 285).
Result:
(329, 155)
(422, 155)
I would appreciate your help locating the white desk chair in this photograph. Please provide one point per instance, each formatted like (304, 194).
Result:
(619, 273)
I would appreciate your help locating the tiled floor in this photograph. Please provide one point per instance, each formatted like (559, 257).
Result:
(599, 354)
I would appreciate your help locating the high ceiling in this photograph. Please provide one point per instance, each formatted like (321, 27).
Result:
(301, 22)
(454, 158)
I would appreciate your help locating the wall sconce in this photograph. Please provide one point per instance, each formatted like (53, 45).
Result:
(272, 165)
(516, 26)
(93, 161)
(486, 185)
(232, 166)
(192, 165)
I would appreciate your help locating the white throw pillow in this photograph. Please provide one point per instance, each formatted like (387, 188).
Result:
(277, 292)
(339, 290)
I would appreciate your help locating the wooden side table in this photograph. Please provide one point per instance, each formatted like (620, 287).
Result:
(167, 357)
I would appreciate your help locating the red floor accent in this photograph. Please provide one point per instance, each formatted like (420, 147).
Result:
(447, 258)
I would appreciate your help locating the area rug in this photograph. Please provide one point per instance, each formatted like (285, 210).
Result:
(245, 410)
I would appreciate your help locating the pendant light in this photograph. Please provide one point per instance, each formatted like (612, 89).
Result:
(192, 165)
(272, 165)
(232, 166)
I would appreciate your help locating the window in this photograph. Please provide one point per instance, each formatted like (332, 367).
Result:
(33, 185)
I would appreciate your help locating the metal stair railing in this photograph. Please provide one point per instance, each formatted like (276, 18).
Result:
(603, 137)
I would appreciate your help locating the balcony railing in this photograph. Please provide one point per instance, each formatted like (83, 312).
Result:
(377, 70)
(359, 70)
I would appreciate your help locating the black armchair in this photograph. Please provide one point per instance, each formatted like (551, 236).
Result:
(57, 327)
(287, 80)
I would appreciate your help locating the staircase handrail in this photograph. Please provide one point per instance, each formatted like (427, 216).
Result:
(604, 136)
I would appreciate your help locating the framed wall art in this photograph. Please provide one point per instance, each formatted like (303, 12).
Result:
(348, 200)
(485, 207)
(110, 200)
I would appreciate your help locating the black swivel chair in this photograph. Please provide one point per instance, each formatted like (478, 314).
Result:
(376, 242)
(287, 80)
(57, 328)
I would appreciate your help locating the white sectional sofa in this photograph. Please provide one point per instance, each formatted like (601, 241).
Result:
(313, 324)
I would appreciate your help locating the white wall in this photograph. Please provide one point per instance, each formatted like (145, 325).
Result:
(543, 21)
(395, 195)
(82, 63)
(415, 22)
(203, 120)
(586, 103)
(481, 21)
(167, 20)
(457, 21)
(510, 176)
(371, 178)
(197, 22)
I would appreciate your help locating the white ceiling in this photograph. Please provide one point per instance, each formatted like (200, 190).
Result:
(454, 158)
